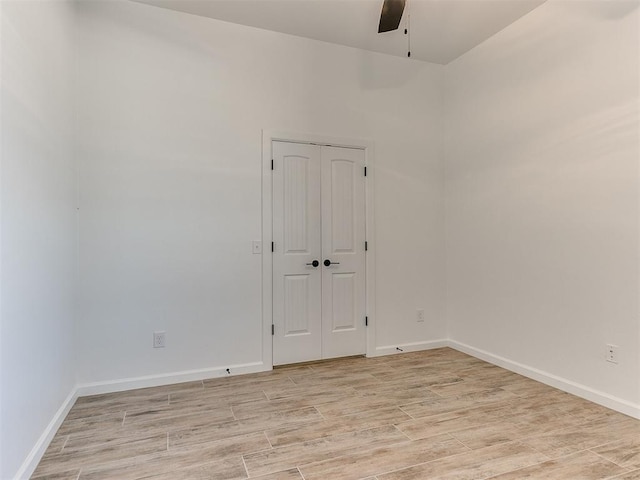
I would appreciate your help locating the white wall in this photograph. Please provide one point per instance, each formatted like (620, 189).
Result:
(542, 150)
(541, 140)
(38, 242)
(170, 118)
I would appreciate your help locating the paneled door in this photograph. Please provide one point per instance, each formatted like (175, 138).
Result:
(297, 250)
(318, 252)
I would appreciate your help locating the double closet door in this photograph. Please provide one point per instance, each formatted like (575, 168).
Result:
(319, 252)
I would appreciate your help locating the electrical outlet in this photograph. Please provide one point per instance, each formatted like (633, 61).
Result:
(159, 339)
(612, 353)
(420, 315)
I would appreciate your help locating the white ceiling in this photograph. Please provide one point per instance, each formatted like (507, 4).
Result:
(441, 30)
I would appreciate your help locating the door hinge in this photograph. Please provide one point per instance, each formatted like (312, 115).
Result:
(366, 245)
(366, 321)
(272, 167)
(273, 329)
(365, 171)
(273, 247)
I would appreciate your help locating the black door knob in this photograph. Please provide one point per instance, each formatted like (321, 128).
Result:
(328, 262)
(315, 263)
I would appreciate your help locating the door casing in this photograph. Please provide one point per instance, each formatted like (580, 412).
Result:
(268, 136)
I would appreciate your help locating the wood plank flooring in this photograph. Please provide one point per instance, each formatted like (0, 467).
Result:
(437, 414)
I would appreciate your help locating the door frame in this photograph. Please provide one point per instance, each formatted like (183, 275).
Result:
(268, 137)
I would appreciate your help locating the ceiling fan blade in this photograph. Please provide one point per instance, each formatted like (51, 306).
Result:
(391, 15)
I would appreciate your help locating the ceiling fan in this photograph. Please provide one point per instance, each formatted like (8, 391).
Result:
(391, 15)
(390, 18)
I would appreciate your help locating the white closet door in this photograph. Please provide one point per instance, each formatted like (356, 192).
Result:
(297, 289)
(319, 254)
(343, 244)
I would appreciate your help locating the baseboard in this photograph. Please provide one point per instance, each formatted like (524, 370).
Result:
(408, 347)
(601, 398)
(120, 385)
(35, 455)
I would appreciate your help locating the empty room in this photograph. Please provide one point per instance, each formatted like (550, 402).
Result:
(320, 239)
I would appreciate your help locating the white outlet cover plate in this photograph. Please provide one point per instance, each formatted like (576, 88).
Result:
(612, 353)
(159, 339)
(257, 247)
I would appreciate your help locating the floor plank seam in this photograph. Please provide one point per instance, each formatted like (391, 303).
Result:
(64, 444)
(438, 395)
(320, 413)
(493, 475)
(404, 467)
(244, 464)
(523, 441)
(591, 450)
(400, 430)
(462, 443)
(407, 413)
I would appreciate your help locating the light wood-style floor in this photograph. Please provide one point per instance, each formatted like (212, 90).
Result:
(438, 414)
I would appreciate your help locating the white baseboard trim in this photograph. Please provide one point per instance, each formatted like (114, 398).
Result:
(601, 398)
(35, 455)
(408, 347)
(120, 385)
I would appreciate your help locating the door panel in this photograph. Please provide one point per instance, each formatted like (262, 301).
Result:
(342, 206)
(296, 171)
(343, 237)
(296, 308)
(343, 314)
(296, 234)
